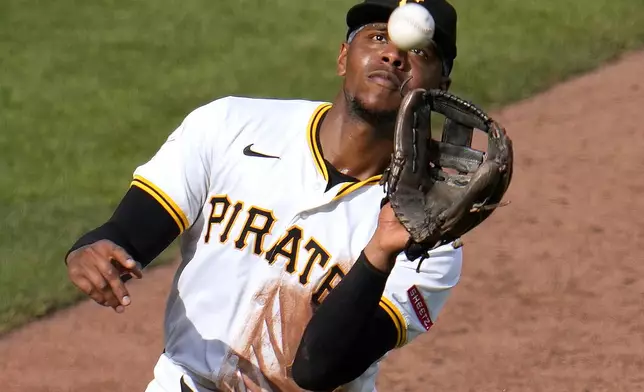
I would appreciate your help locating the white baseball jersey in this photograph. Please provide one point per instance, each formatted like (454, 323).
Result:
(263, 241)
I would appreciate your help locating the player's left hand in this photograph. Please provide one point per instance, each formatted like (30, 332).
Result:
(389, 239)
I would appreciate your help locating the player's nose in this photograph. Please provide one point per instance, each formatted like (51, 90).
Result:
(395, 57)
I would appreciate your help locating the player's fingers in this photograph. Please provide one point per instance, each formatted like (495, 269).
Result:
(87, 287)
(101, 291)
(137, 271)
(127, 274)
(126, 261)
(113, 278)
(80, 278)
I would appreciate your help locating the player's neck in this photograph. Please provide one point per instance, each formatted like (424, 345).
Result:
(352, 145)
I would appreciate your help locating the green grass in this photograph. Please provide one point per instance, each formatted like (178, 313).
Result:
(511, 49)
(89, 90)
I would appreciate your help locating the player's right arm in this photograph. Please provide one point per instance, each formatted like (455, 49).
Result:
(165, 198)
(138, 231)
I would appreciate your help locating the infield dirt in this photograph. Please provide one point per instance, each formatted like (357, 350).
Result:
(551, 297)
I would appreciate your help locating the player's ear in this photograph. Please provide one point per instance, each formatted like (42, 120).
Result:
(446, 83)
(342, 59)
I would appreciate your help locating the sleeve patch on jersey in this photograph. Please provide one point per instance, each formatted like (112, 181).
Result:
(420, 307)
(164, 200)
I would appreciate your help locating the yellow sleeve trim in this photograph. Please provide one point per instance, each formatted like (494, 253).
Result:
(164, 200)
(397, 318)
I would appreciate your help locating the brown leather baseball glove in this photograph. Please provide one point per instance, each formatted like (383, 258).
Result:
(440, 190)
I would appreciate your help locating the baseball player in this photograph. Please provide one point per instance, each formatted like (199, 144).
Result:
(292, 275)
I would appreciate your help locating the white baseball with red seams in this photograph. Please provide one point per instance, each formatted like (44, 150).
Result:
(411, 26)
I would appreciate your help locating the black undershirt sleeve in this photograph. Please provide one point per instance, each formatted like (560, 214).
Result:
(347, 333)
(140, 225)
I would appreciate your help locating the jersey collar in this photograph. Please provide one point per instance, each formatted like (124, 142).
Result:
(316, 151)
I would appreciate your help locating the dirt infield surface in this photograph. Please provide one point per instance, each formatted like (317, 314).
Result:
(552, 292)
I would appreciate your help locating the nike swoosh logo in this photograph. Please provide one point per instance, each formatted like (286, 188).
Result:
(251, 153)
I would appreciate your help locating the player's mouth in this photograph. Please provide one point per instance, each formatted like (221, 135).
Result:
(386, 79)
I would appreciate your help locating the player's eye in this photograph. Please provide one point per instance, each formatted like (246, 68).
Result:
(379, 37)
(420, 52)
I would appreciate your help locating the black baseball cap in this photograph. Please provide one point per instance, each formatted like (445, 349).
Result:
(378, 11)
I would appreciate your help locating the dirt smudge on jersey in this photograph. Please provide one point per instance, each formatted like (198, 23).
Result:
(263, 354)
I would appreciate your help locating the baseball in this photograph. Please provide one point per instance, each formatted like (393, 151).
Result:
(411, 26)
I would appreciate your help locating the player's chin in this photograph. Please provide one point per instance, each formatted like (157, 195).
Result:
(382, 100)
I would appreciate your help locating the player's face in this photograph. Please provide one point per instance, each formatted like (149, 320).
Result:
(374, 69)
